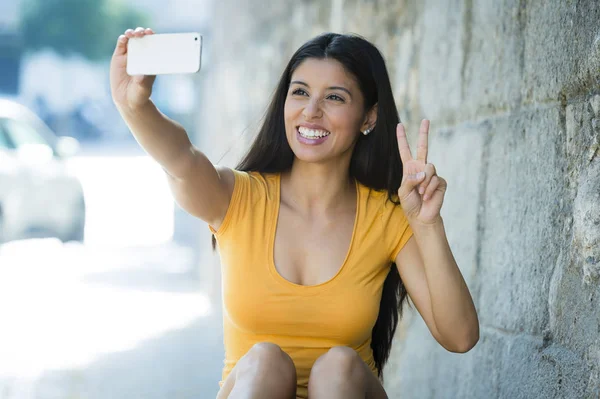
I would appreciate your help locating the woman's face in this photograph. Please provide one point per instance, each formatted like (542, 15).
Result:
(324, 111)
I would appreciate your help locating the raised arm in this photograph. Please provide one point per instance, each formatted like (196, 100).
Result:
(201, 189)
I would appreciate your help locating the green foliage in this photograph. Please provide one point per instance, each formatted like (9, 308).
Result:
(86, 27)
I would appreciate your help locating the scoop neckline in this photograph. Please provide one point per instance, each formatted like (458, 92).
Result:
(273, 230)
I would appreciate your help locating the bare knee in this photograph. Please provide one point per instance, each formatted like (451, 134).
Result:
(340, 365)
(268, 365)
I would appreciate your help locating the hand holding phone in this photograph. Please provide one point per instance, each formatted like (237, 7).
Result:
(132, 76)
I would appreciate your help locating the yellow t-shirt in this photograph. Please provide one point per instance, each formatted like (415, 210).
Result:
(259, 305)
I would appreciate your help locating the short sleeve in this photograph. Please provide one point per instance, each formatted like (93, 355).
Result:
(401, 231)
(241, 192)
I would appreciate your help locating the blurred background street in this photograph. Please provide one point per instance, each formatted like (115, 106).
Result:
(105, 291)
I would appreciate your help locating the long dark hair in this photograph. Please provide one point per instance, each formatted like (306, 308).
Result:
(375, 161)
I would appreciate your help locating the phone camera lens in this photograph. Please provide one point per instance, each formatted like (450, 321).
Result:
(195, 38)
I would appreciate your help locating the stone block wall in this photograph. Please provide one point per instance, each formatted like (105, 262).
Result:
(512, 89)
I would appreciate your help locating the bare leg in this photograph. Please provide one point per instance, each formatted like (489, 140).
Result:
(341, 373)
(265, 372)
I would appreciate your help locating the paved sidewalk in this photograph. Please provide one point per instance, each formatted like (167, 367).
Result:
(82, 323)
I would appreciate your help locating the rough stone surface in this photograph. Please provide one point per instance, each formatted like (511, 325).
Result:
(512, 89)
(493, 48)
(440, 58)
(521, 219)
(457, 154)
(562, 49)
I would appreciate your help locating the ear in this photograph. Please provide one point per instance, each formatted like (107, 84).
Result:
(370, 119)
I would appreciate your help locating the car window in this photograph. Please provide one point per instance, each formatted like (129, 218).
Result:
(21, 133)
(4, 142)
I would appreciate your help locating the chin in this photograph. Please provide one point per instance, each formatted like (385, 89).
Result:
(309, 156)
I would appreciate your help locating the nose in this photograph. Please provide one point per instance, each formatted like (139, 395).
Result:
(312, 109)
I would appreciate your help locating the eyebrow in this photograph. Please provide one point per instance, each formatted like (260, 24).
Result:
(329, 88)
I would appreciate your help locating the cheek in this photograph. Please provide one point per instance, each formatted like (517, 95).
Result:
(345, 120)
(290, 112)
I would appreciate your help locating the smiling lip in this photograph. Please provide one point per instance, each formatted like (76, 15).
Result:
(312, 126)
(304, 140)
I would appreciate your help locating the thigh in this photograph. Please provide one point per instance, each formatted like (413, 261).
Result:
(375, 388)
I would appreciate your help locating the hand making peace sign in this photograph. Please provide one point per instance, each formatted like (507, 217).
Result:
(422, 191)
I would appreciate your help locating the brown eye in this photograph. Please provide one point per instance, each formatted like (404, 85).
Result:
(335, 97)
(299, 92)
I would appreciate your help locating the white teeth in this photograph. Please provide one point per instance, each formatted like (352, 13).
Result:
(310, 133)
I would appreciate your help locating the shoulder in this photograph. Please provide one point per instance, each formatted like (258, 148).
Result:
(250, 192)
(251, 184)
(237, 180)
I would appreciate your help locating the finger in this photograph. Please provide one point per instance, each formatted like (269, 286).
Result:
(129, 33)
(433, 185)
(121, 47)
(430, 172)
(149, 31)
(403, 147)
(409, 182)
(423, 139)
(139, 31)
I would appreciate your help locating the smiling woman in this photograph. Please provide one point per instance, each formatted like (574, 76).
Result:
(324, 228)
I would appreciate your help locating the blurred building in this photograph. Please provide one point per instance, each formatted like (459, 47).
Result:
(45, 78)
(11, 49)
(9, 16)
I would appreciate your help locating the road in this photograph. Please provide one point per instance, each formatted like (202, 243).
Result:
(120, 316)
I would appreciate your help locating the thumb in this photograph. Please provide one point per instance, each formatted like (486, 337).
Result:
(409, 182)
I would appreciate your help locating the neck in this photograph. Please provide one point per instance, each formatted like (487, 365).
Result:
(315, 188)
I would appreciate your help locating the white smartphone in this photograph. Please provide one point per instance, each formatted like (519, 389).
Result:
(164, 53)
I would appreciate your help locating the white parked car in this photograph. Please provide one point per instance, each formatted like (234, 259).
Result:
(38, 195)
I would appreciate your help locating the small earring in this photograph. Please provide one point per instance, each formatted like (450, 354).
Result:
(367, 132)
